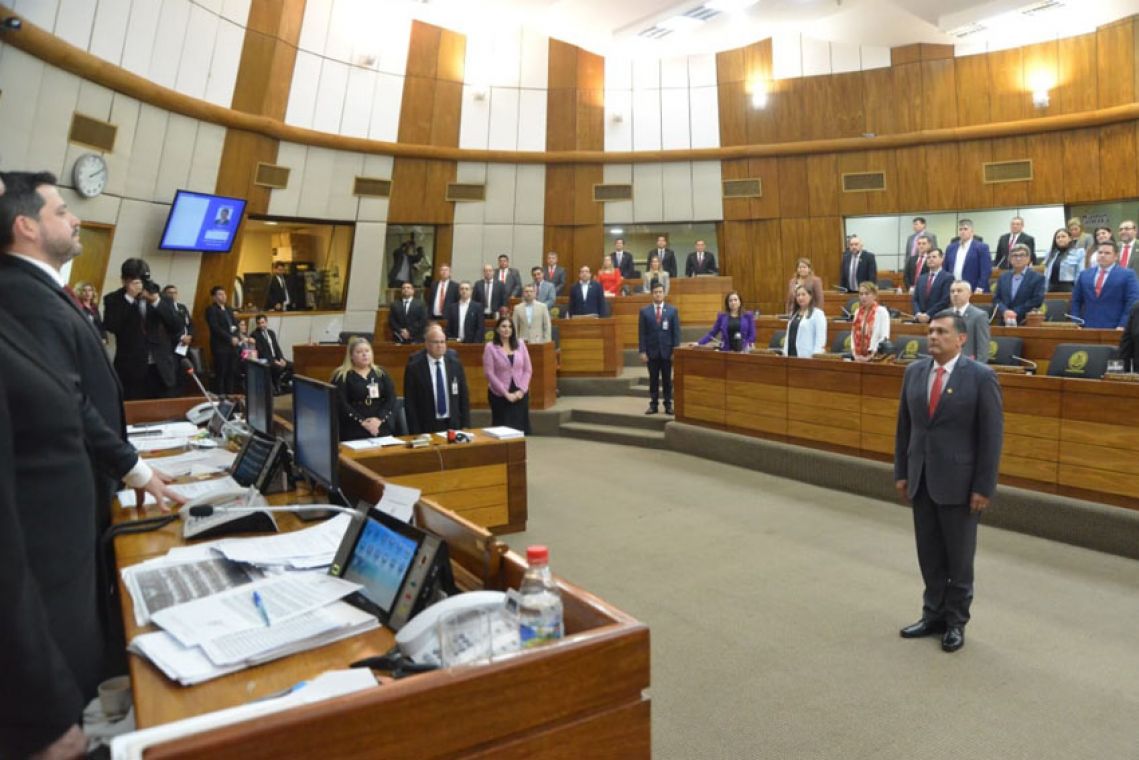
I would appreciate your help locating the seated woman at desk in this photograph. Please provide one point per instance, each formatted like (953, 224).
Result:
(654, 273)
(506, 363)
(734, 328)
(805, 276)
(807, 330)
(871, 323)
(1063, 264)
(367, 394)
(610, 277)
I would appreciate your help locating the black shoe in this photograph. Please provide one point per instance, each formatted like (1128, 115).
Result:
(651, 410)
(668, 409)
(922, 628)
(953, 639)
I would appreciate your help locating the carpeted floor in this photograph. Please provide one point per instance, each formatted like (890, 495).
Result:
(774, 610)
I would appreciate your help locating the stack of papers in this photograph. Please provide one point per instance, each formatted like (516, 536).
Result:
(374, 443)
(164, 582)
(301, 549)
(503, 433)
(168, 435)
(194, 462)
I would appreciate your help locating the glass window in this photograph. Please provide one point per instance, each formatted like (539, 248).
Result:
(409, 253)
(315, 255)
(642, 238)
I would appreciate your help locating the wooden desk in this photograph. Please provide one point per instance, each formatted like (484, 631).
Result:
(1074, 437)
(557, 701)
(590, 347)
(318, 361)
(483, 481)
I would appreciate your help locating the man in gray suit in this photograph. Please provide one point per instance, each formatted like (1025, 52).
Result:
(946, 453)
(508, 277)
(543, 290)
(919, 232)
(555, 275)
(976, 321)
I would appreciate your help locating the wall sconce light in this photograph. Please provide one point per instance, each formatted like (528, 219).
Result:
(759, 95)
(478, 92)
(1040, 98)
(617, 117)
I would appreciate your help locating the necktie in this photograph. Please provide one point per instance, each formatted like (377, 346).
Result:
(852, 284)
(917, 270)
(1125, 258)
(552, 273)
(489, 296)
(935, 391)
(1099, 282)
(284, 289)
(1016, 279)
(406, 307)
(658, 315)
(439, 298)
(440, 390)
(502, 276)
(700, 261)
(929, 278)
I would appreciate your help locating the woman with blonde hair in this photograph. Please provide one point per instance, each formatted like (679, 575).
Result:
(1081, 239)
(805, 276)
(367, 393)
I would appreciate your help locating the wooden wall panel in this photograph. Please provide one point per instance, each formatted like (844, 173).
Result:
(941, 177)
(972, 79)
(972, 193)
(766, 206)
(887, 200)
(823, 184)
(939, 94)
(1012, 194)
(559, 186)
(1077, 74)
(794, 198)
(1117, 170)
(910, 174)
(1047, 154)
(736, 208)
(1040, 65)
(732, 106)
(1081, 165)
(1115, 63)
(585, 209)
(851, 204)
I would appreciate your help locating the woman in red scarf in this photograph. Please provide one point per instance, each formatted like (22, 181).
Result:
(871, 323)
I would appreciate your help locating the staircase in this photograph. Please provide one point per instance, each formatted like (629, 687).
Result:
(596, 419)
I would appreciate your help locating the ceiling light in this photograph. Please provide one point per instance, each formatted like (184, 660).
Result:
(680, 23)
(617, 231)
(730, 6)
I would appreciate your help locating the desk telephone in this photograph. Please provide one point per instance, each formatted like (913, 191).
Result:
(419, 639)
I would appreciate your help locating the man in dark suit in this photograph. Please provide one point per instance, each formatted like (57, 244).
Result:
(182, 342)
(700, 262)
(658, 333)
(968, 258)
(977, 332)
(509, 278)
(1019, 290)
(489, 292)
(1014, 237)
(555, 274)
(1128, 249)
(623, 260)
(124, 314)
(946, 454)
(407, 317)
(858, 266)
(915, 265)
(665, 254)
(52, 657)
(443, 292)
(404, 260)
(1104, 294)
(280, 297)
(919, 232)
(931, 294)
(465, 317)
(224, 342)
(162, 326)
(269, 350)
(586, 296)
(1129, 343)
(435, 388)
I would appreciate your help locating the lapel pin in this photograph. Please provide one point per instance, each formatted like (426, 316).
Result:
(949, 390)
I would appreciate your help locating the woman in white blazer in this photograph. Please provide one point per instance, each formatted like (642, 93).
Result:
(807, 330)
(871, 323)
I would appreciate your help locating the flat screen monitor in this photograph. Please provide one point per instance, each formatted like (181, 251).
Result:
(259, 397)
(202, 222)
(316, 432)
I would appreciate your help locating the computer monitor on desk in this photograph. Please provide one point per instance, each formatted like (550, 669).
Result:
(259, 397)
(316, 432)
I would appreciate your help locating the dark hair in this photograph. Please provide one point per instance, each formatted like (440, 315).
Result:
(260, 316)
(938, 250)
(20, 199)
(1114, 247)
(736, 293)
(278, 264)
(214, 290)
(919, 219)
(513, 335)
(535, 269)
(503, 256)
(150, 286)
(171, 286)
(1108, 230)
(657, 285)
(958, 320)
(135, 269)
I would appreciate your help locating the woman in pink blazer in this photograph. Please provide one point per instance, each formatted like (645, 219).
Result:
(507, 366)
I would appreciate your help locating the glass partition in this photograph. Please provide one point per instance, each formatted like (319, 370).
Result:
(316, 256)
(642, 238)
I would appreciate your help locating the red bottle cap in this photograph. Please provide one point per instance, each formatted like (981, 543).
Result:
(537, 555)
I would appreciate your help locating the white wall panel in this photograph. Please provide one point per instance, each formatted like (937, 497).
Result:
(532, 120)
(375, 209)
(467, 251)
(648, 193)
(704, 117)
(474, 120)
(314, 26)
(816, 57)
(386, 106)
(110, 29)
(473, 172)
(646, 73)
(194, 68)
(207, 157)
(74, 23)
(497, 239)
(845, 57)
(360, 321)
(22, 77)
(646, 120)
(223, 65)
(184, 273)
(618, 73)
(346, 166)
(530, 194)
(146, 152)
(330, 96)
(142, 28)
(47, 146)
(534, 69)
(367, 276)
(786, 56)
(317, 185)
(124, 115)
(292, 331)
(285, 202)
(213, 6)
(94, 100)
(358, 102)
(676, 181)
(177, 156)
(527, 247)
(618, 212)
(341, 30)
(618, 134)
(302, 96)
(393, 38)
(471, 212)
(236, 11)
(42, 13)
(103, 209)
(674, 72)
(503, 119)
(707, 195)
(499, 206)
(170, 36)
(674, 119)
(506, 60)
(875, 57)
(702, 70)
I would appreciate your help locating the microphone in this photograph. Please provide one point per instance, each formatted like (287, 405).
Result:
(1075, 319)
(188, 368)
(907, 315)
(206, 510)
(847, 314)
(841, 289)
(1026, 362)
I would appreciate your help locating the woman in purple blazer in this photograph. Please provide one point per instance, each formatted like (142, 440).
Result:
(507, 366)
(734, 328)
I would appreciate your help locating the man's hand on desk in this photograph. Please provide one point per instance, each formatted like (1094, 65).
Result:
(71, 745)
(157, 488)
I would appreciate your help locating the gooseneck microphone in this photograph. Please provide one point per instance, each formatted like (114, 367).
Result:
(206, 510)
(188, 368)
(1075, 319)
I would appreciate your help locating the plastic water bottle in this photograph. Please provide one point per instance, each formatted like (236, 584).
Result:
(539, 602)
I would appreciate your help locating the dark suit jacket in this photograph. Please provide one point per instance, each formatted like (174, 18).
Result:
(558, 278)
(187, 321)
(497, 295)
(419, 395)
(691, 270)
(414, 320)
(124, 321)
(938, 297)
(626, 265)
(52, 654)
(961, 444)
(223, 328)
(513, 282)
(978, 263)
(1130, 341)
(413, 256)
(867, 270)
(910, 241)
(592, 303)
(1029, 296)
(1023, 238)
(276, 294)
(265, 346)
(658, 341)
(667, 261)
(1113, 305)
(473, 331)
(910, 271)
(163, 325)
(449, 297)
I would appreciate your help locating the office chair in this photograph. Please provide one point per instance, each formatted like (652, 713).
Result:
(778, 338)
(1054, 310)
(841, 343)
(1002, 349)
(346, 335)
(399, 418)
(1082, 360)
(911, 347)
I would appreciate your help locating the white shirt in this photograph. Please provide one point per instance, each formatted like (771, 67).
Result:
(284, 288)
(431, 364)
(489, 290)
(55, 274)
(959, 262)
(584, 291)
(463, 306)
(948, 366)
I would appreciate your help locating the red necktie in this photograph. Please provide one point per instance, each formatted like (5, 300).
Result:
(1099, 281)
(935, 391)
(439, 298)
(502, 276)
(552, 274)
(658, 315)
(1126, 257)
(929, 282)
(917, 271)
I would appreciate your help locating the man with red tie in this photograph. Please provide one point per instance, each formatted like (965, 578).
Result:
(946, 453)
(444, 292)
(508, 277)
(1128, 253)
(658, 332)
(1104, 294)
(555, 274)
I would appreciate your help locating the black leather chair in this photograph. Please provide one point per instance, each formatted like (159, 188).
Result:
(910, 347)
(778, 338)
(1002, 349)
(399, 418)
(1083, 360)
(1054, 310)
(346, 335)
(841, 343)
(851, 305)
(886, 285)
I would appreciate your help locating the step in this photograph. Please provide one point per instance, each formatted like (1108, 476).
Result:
(649, 439)
(594, 386)
(634, 418)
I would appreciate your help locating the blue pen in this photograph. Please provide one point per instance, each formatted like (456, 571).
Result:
(259, 603)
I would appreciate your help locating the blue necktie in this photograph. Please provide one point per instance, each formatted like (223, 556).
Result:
(1015, 284)
(440, 391)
